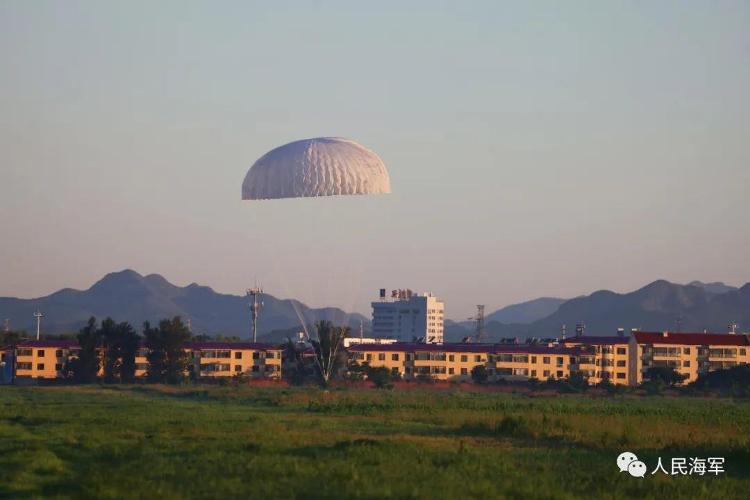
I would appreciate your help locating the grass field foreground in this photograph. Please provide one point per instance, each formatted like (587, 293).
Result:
(219, 442)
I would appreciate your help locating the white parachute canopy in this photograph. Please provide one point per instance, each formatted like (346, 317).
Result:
(323, 166)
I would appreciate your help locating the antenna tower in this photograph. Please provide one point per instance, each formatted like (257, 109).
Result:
(255, 295)
(479, 334)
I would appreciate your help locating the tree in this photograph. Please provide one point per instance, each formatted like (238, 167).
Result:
(380, 377)
(120, 345)
(12, 337)
(85, 367)
(479, 374)
(578, 382)
(665, 374)
(167, 359)
(330, 356)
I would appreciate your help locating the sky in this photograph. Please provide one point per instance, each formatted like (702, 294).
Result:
(534, 148)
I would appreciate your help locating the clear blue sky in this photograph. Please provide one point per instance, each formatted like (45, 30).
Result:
(534, 148)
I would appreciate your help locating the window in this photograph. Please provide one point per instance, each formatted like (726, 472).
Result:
(394, 371)
(686, 363)
(409, 356)
(545, 360)
(369, 357)
(58, 353)
(24, 352)
(464, 358)
(559, 374)
(40, 366)
(743, 352)
(620, 375)
(478, 358)
(394, 357)
(450, 371)
(533, 373)
(238, 355)
(58, 367)
(546, 373)
(464, 371)
(23, 366)
(533, 360)
(559, 361)
(621, 350)
(451, 357)
(40, 353)
(620, 362)
(686, 350)
(256, 355)
(238, 368)
(381, 356)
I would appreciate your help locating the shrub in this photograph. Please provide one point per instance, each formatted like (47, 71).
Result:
(479, 374)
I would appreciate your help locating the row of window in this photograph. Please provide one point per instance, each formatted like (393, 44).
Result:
(40, 353)
(39, 366)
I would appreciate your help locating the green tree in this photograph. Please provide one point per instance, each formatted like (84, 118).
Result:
(380, 377)
(578, 382)
(85, 367)
(12, 337)
(665, 374)
(120, 345)
(167, 359)
(330, 355)
(479, 374)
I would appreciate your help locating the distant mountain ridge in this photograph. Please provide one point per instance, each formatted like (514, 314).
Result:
(129, 296)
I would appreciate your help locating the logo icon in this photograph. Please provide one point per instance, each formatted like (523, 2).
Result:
(637, 468)
(625, 459)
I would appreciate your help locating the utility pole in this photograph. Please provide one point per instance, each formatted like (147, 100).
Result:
(256, 305)
(6, 325)
(38, 317)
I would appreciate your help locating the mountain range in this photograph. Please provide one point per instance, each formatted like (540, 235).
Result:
(129, 296)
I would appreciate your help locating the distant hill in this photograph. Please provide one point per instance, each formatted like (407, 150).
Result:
(657, 306)
(129, 296)
(716, 287)
(526, 312)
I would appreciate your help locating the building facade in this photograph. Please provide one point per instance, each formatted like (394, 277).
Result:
(407, 316)
(603, 358)
(47, 359)
(455, 362)
(690, 354)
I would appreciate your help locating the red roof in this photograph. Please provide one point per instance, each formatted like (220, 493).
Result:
(55, 344)
(691, 338)
(463, 347)
(236, 346)
(611, 340)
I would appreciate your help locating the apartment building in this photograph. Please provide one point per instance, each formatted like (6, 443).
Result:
(690, 354)
(46, 359)
(43, 359)
(226, 359)
(455, 362)
(603, 358)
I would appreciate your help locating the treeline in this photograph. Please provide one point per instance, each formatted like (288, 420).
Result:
(111, 348)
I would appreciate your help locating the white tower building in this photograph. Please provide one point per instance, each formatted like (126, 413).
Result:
(406, 316)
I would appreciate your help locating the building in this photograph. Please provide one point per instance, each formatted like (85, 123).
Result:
(226, 359)
(603, 358)
(43, 359)
(690, 354)
(454, 362)
(46, 359)
(407, 316)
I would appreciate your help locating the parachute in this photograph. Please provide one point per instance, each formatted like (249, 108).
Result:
(323, 166)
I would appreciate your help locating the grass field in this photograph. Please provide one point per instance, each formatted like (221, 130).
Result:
(221, 442)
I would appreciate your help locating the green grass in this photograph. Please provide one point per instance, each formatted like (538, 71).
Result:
(220, 442)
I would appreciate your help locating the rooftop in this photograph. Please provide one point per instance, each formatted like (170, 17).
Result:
(463, 347)
(585, 339)
(691, 338)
